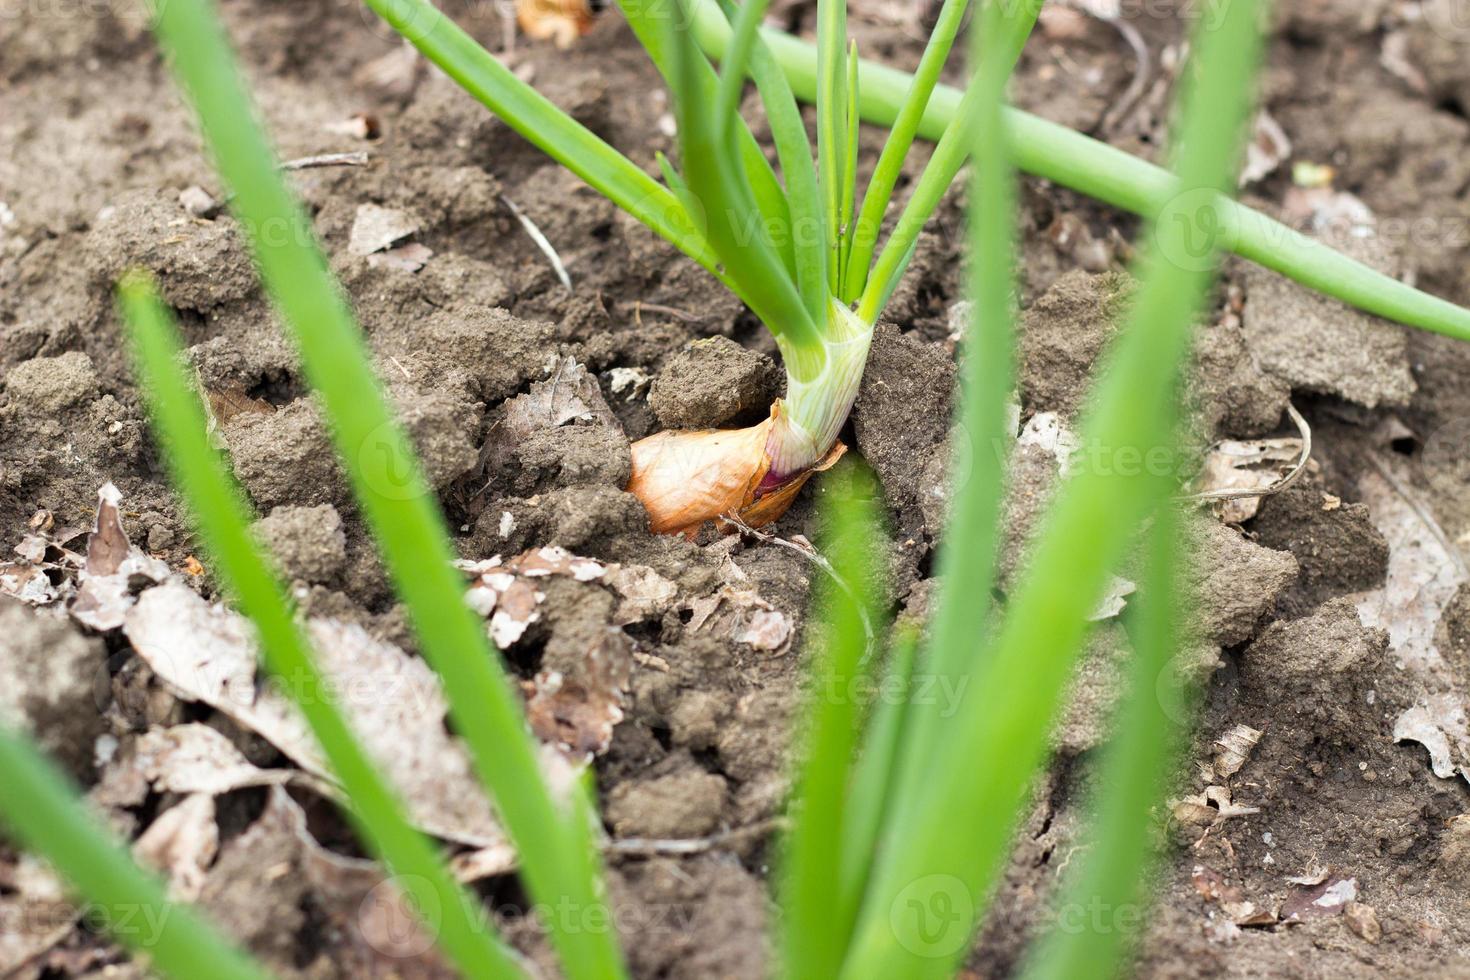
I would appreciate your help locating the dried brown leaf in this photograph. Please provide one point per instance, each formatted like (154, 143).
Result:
(394, 702)
(181, 844)
(1255, 464)
(113, 569)
(1319, 901)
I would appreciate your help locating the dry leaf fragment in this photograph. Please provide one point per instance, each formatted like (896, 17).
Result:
(1314, 875)
(1220, 797)
(505, 594)
(630, 382)
(1210, 807)
(28, 583)
(226, 403)
(393, 700)
(107, 546)
(578, 713)
(1114, 599)
(1212, 887)
(645, 593)
(487, 862)
(375, 228)
(1254, 464)
(35, 912)
(188, 759)
(1047, 432)
(113, 569)
(182, 843)
(1269, 146)
(742, 615)
(553, 560)
(1246, 913)
(1233, 749)
(570, 394)
(1319, 901)
(405, 258)
(1419, 724)
(359, 126)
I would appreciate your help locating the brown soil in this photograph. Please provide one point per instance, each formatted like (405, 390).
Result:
(97, 150)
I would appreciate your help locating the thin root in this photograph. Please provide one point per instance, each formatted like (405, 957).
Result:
(542, 242)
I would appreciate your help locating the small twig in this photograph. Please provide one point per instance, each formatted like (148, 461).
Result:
(541, 242)
(357, 158)
(657, 847)
(815, 557)
(1296, 471)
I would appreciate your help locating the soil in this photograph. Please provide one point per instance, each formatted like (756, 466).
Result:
(1322, 622)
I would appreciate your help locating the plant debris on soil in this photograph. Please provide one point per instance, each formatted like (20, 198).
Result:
(1321, 827)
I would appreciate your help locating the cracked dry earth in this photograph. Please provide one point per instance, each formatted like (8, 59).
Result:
(1321, 826)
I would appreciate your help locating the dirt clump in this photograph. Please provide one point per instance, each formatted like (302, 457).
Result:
(1230, 393)
(1234, 583)
(1453, 636)
(1323, 665)
(1336, 545)
(286, 457)
(901, 416)
(1316, 343)
(692, 919)
(200, 264)
(48, 385)
(1061, 336)
(308, 542)
(713, 383)
(687, 803)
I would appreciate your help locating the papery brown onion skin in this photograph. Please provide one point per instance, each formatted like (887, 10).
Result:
(687, 478)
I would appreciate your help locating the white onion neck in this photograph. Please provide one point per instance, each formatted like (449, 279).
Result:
(815, 408)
